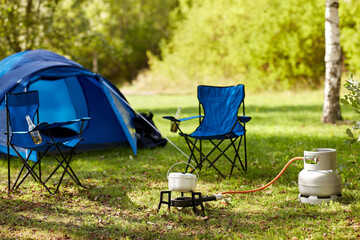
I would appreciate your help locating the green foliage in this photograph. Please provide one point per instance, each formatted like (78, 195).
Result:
(107, 36)
(24, 24)
(350, 34)
(133, 28)
(352, 100)
(265, 44)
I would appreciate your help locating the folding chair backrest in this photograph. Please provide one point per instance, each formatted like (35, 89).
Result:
(221, 105)
(18, 106)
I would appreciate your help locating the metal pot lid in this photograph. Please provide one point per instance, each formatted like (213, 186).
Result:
(181, 175)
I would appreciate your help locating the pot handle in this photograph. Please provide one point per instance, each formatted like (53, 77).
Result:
(197, 173)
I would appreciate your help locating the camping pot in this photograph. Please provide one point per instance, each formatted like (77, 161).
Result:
(319, 178)
(182, 182)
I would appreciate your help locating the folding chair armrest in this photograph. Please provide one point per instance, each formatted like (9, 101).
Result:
(8, 133)
(61, 124)
(85, 119)
(189, 118)
(44, 126)
(41, 126)
(244, 119)
(171, 118)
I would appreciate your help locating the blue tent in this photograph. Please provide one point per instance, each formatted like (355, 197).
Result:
(68, 91)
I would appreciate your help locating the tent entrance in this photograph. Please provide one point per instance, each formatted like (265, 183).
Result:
(61, 100)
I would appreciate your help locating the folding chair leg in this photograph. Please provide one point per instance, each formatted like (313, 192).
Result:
(192, 155)
(223, 153)
(201, 159)
(60, 164)
(216, 146)
(39, 167)
(36, 178)
(65, 160)
(9, 175)
(17, 185)
(30, 171)
(245, 152)
(243, 164)
(192, 146)
(27, 166)
(236, 156)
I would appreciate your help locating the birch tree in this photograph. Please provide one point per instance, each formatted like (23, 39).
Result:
(331, 108)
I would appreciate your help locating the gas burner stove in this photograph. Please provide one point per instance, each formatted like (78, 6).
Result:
(195, 200)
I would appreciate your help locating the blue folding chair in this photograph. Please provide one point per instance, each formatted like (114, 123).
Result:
(219, 124)
(19, 138)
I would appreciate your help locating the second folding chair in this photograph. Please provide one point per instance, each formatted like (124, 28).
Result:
(221, 127)
(31, 145)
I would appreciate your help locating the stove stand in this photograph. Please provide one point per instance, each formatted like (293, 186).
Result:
(196, 199)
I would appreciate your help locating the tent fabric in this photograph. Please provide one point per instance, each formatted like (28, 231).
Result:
(68, 91)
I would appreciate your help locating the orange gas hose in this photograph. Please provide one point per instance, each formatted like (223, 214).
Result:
(265, 186)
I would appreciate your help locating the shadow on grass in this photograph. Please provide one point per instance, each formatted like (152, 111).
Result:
(56, 219)
(254, 218)
(122, 192)
(81, 213)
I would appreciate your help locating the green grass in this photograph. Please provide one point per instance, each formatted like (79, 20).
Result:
(122, 191)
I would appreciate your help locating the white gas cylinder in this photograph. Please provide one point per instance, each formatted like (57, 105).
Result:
(319, 181)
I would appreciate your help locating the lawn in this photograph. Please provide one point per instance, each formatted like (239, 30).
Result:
(121, 193)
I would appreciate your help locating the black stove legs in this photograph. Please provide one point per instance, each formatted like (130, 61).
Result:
(193, 201)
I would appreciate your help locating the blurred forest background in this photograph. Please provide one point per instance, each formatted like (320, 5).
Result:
(165, 45)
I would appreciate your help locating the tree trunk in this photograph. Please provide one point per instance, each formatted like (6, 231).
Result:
(95, 65)
(331, 108)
